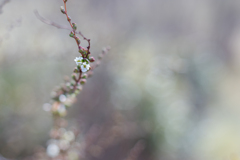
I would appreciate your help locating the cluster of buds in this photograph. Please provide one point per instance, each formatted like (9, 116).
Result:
(63, 141)
(83, 63)
(64, 96)
(85, 58)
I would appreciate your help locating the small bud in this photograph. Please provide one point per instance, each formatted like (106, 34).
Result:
(76, 70)
(79, 67)
(69, 18)
(91, 59)
(74, 26)
(84, 76)
(62, 10)
(78, 40)
(82, 50)
(71, 34)
(65, 1)
(83, 81)
(74, 76)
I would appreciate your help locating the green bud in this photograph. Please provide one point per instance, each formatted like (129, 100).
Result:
(78, 40)
(62, 10)
(91, 59)
(69, 18)
(79, 67)
(76, 70)
(71, 34)
(83, 81)
(74, 76)
(80, 51)
(84, 52)
(84, 76)
(74, 26)
(65, 1)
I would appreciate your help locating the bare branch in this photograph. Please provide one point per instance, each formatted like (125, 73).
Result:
(49, 22)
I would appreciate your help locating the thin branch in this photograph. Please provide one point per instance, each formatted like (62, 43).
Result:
(49, 22)
(71, 24)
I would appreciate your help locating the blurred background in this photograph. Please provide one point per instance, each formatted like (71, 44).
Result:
(172, 77)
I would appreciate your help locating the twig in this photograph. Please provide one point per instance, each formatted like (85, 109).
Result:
(49, 22)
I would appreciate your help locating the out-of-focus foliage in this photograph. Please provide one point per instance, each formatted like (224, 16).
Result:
(172, 77)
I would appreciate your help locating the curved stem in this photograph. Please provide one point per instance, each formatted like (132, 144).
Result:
(69, 20)
(74, 31)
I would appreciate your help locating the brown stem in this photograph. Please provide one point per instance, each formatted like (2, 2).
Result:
(74, 31)
(69, 20)
(77, 81)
